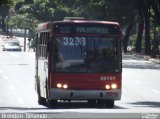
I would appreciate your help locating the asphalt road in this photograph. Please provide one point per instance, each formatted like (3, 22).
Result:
(140, 94)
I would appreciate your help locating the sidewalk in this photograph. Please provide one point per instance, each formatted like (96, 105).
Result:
(148, 58)
(157, 61)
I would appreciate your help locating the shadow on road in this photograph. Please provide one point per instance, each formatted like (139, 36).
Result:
(82, 105)
(21, 108)
(146, 104)
(63, 105)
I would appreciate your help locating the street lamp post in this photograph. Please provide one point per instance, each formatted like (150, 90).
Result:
(25, 34)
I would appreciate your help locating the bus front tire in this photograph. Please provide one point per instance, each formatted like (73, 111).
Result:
(51, 103)
(41, 100)
(105, 103)
(91, 103)
(109, 103)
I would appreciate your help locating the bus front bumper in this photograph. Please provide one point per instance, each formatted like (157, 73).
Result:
(64, 94)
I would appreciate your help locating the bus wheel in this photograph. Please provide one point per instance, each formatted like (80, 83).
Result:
(51, 103)
(100, 103)
(91, 103)
(109, 103)
(41, 100)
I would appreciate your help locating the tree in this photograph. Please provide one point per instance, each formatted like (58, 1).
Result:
(4, 12)
(145, 7)
(126, 12)
(156, 22)
(138, 44)
(4, 2)
(25, 22)
(147, 26)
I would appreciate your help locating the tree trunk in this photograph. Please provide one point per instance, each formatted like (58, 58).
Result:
(147, 32)
(147, 36)
(139, 35)
(155, 47)
(155, 7)
(3, 24)
(140, 28)
(25, 35)
(126, 37)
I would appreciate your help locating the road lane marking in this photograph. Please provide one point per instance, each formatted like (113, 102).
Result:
(156, 91)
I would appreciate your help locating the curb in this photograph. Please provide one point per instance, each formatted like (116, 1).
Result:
(155, 61)
(148, 58)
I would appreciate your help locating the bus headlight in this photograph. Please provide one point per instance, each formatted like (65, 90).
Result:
(107, 87)
(65, 86)
(114, 86)
(59, 85)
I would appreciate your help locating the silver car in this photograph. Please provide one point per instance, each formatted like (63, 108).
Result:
(11, 46)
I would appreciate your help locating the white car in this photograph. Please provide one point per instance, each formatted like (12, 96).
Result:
(11, 46)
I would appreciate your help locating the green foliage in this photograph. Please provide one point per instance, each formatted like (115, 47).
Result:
(4, 10)
(4, 2)
(24, 21)
(31, 12)
(133, 39)
(50, 10)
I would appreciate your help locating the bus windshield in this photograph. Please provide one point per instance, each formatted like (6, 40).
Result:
(85, 54)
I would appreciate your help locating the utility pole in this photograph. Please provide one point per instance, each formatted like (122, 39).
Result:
(25, 35)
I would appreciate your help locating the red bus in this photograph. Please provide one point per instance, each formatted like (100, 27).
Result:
(78, 59)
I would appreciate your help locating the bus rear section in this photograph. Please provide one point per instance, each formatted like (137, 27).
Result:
(84, 63)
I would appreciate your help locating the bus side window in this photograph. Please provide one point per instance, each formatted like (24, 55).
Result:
(48, 46)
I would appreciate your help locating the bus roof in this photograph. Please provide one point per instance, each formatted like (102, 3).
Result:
(48, 25)
(88, 21)
(44, 26)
